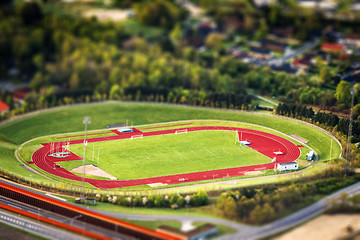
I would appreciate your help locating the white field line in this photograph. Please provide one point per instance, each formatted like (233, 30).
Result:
(179, 154)
(197, 154)
(226, 152)
(163, 155)
(210, 152)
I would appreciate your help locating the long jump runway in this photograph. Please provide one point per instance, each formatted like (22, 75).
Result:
(264, 143)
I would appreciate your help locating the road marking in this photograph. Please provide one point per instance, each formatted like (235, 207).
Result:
(36, 213)
(11, 205)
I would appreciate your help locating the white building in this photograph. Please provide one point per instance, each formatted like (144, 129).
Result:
(287, 166)
(125, 130)
(310, 155)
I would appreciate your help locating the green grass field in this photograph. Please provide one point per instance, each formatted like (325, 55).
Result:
(168, 154)
(69, 119)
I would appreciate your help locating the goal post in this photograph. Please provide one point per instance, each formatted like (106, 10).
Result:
(137, 136)
(181, 131)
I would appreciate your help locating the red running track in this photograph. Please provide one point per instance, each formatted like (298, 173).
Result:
(262, 142)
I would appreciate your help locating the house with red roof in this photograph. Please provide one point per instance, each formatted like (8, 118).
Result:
(351, 40)
(3, 107)
(20, 94)
(304, 62)
(332, 47)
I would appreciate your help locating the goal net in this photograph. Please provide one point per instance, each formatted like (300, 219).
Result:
(137, 136)
(181, 131)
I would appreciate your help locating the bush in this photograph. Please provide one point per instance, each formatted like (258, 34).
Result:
(181, 202)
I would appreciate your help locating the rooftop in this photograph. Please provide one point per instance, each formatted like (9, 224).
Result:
(186, 235)
(21, 93)
(287, 163)
(332, 47)
(3, 106)
(352, 36)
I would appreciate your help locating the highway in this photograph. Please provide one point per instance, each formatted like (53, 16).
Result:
(43, 229)
(37, 228)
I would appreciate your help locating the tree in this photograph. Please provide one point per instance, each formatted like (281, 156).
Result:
(230, 208)
(37, 81)
(137, 201)
(4, 3)
(173, 199)
(342, 93)
(195, 200)
(30, 12)
(74, 81)
(325, 75)
(344, 6)
(159, 201)
(176, 33)
(116, 92)
(180, 202)
(150, 201)
(159, 13)
(214, 40)
(262, 30)
(356, 110)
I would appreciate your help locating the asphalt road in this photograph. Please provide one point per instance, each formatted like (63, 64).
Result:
(307, 46)
(245, 231)
(43, 228)
(36, 228)
(298, 217)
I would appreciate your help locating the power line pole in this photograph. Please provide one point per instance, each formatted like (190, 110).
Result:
(86, 121)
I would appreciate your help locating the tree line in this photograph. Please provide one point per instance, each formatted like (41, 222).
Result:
(328, 120)
(259, 205)
(70, 54)
(173, 201)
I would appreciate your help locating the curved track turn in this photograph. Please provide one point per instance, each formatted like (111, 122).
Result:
(264, 143)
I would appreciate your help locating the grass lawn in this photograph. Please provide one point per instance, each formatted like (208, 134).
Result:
(133, 28)
(222, 230)
(155, 224)
(69, 120)
(185, 153)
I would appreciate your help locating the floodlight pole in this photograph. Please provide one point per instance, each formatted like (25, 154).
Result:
(86, 121)
(348, 147)
(330, 147)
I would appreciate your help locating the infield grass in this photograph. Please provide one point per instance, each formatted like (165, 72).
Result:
(168, 154)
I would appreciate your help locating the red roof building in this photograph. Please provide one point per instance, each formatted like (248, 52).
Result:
(3, 107)
(20, 93)
(305, 61)
(332, 47)
(352, 40)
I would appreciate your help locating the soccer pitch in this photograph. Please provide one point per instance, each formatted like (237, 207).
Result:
(167, 154)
